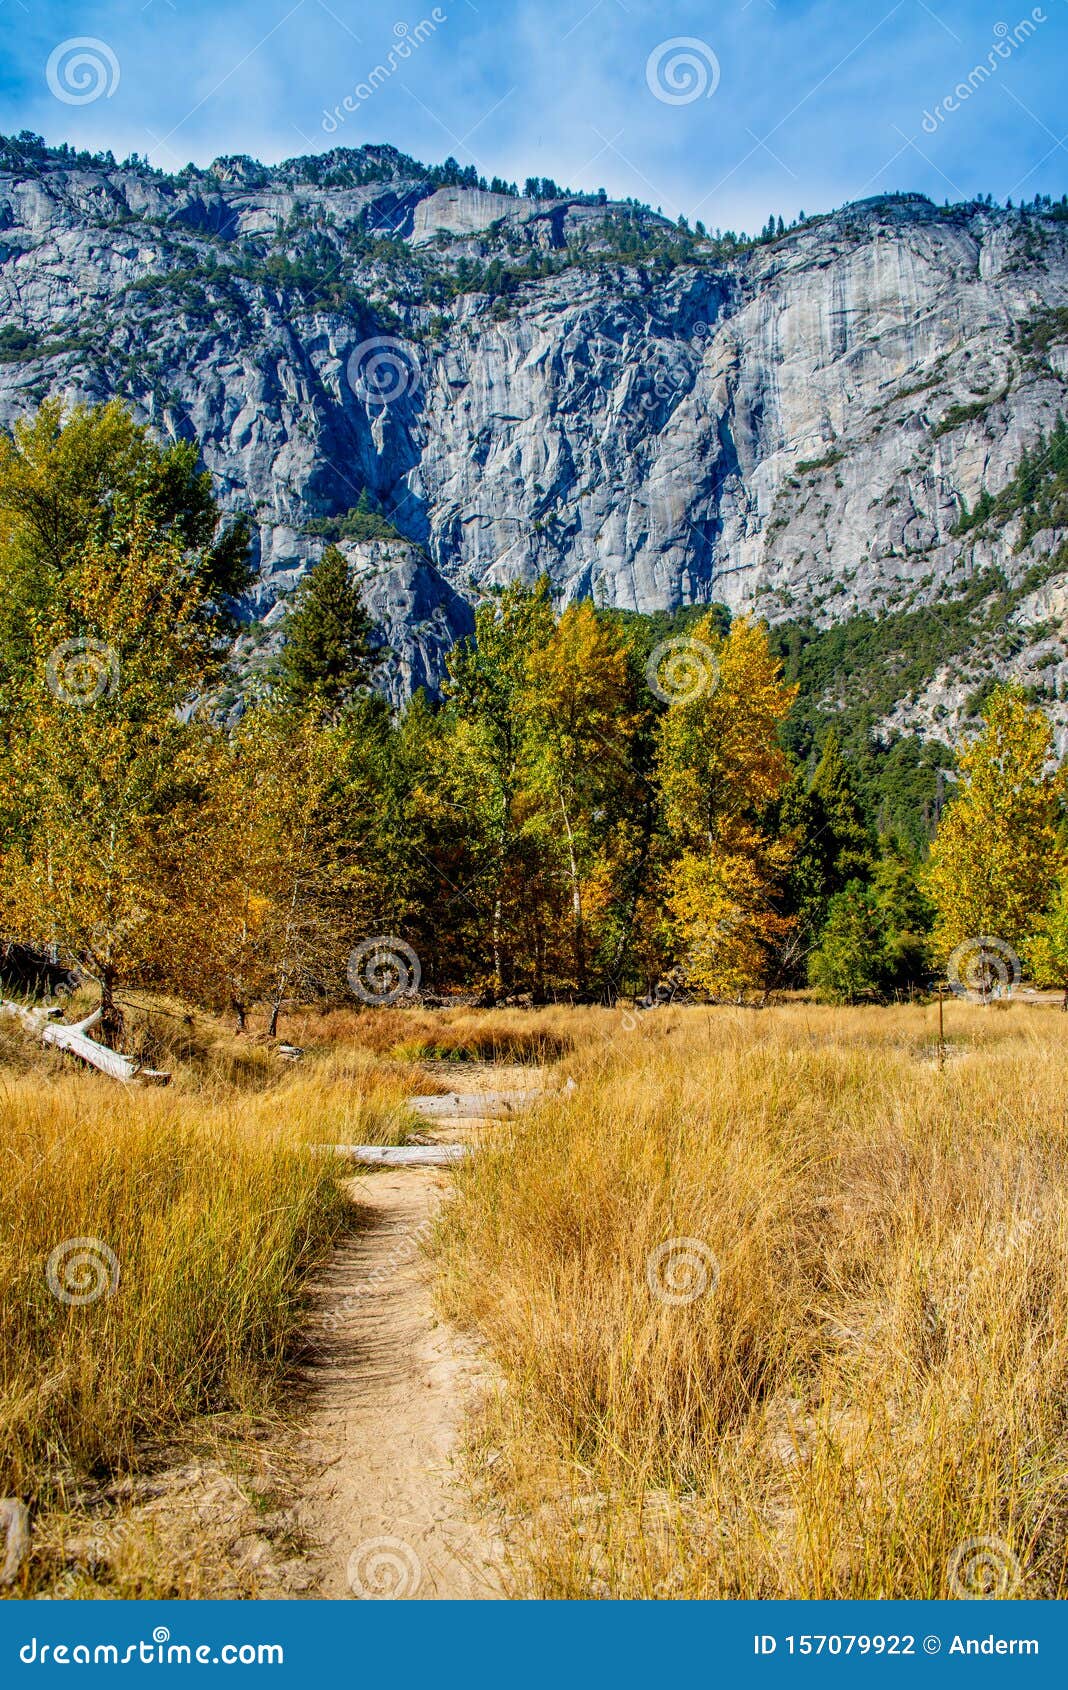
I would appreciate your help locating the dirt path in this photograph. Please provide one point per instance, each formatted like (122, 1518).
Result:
(391, 1389)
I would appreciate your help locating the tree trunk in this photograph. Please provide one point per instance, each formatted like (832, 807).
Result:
(498, 970)
(272, 1029)
(637, 881)
(579, 937)
(111, 1022)
(240, 1011)
(538, 995)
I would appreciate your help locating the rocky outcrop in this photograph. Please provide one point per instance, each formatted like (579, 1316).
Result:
(418, 615)
(527, 386)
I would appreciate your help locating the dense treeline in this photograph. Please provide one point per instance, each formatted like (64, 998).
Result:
(1037, 493)
(593, 809)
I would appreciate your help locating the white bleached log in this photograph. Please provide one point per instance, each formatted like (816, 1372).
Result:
(474, 1105)
(398, 1155)
(75, 1041)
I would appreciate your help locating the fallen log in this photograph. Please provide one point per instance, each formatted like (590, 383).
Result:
(474, 1105)
(76, 1042)
(397, 1155)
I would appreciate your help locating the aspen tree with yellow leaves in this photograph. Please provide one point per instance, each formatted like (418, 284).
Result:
(720, 767)
(108, 782)
(995, 862)
(114, 569)
(581, 711)
(276, 876)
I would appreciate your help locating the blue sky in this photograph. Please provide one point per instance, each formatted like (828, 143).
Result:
(796, 104)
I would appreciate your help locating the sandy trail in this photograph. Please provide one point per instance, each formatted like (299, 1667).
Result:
(391, 1388)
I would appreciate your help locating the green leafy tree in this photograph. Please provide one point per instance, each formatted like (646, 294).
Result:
(115, 570)
(1047, 951)
(325, 659)
(849, 965)
(105, 786)
(906, 915)
(68, 478)
(833, 843)
(487, 686)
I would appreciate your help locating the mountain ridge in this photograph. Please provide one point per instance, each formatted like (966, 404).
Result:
(795, 424)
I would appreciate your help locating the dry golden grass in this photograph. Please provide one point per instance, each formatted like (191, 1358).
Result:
(205, 1202)
(201, 1227)
(415, 1034)
(876, 1372)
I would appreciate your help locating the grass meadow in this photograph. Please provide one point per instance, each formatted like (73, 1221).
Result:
(778, 1299)
(782, 1307)
(156, 1245)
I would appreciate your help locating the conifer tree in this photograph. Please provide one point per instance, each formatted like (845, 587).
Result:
(833, 843)
(906, 916)
(487, 686)
(850, 963)
(324, 662)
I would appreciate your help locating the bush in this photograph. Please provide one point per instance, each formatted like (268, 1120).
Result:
(850, 964)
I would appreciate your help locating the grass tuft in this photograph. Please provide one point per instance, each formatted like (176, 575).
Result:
(873, 1369)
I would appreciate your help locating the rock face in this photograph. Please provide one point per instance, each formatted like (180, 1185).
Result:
(792, 429)
(418, 615)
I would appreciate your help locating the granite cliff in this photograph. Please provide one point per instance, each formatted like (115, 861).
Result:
(513, 385)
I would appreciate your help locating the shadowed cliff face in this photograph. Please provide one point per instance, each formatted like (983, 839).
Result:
(792, 430)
